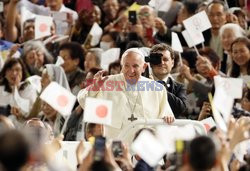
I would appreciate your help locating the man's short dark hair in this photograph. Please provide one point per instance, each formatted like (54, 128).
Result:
(191, 5)
(14, 150)
(202, 153)
(162, 47)
(31, 20)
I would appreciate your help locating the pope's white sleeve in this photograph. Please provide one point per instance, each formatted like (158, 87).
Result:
(84, 93)
(164, 105)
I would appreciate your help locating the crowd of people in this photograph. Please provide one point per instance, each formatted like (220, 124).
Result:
(149, 80)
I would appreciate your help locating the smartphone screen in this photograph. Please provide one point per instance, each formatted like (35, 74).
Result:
(117, 149)
(132, 17)
(99, 148)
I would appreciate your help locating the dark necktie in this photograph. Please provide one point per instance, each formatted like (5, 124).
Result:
(163, 83)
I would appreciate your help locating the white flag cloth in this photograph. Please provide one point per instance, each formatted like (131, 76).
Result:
(22, 103)
(174, 133)
(217, 116)
(98, 111)
(96, 33)
(109, 56)
(198, 22)
(175, 43)
(59, 61)
(226, 90)
(194, 39)
(160, 5)
(232, 86)
(195, 25)
(35, 81)
(43, 26)
(59, 98)
(148, 147)
(208, 123)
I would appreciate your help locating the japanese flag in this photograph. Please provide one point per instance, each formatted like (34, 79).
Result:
(208, 123)
(98, 111)
(176, 44)
(59, 98)
(42, 26)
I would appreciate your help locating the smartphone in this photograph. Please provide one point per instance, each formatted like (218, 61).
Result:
(99, 148)
(117, 149)
(132, 17)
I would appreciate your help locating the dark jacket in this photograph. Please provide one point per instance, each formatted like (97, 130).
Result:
(177, 97)
(143, 166)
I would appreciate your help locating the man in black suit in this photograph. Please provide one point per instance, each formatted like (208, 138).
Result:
(161, 72)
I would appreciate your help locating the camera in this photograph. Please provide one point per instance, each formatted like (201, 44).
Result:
(154, 58)
(117, 149)
(99, 148)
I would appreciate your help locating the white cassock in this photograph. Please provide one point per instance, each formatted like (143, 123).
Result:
(148, 100)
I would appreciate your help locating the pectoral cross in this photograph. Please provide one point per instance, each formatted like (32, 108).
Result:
(132, 118)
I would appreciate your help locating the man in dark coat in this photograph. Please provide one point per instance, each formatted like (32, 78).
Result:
(161, 73)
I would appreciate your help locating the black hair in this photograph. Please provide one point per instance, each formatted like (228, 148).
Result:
(211, 55)
(14, 150)
(76, 52)
(113, 65)
(202, 153)
(134, 44)
(31, 20)
(190, 56)
(8, 65)
(162, 47)
(191, 5)
(101, 166)
(115, 36)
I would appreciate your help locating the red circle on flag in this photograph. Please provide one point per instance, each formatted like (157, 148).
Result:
(43, 27)
(62, 100)
(207, 127)
(101, 111)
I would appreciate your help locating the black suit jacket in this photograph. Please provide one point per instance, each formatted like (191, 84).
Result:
(177, 97)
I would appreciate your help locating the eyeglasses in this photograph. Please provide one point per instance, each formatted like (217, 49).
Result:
(145, 14)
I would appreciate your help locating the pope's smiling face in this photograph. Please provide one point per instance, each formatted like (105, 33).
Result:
(133, 66)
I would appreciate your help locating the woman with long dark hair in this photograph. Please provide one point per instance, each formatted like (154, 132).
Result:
(16, 95)
(241, 57)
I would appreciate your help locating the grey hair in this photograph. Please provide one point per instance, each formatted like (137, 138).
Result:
(134, 50)
(97, 52)
(37, 45)
(238, 31)
(148, 7)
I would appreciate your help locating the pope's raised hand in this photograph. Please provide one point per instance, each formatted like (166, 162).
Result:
(99, 79)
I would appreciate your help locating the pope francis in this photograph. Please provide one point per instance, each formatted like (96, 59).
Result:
(131, 93)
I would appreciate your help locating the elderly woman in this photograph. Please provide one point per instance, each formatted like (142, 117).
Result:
(48, 113)
(228, 33)
(16, 96)
(35, 56)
